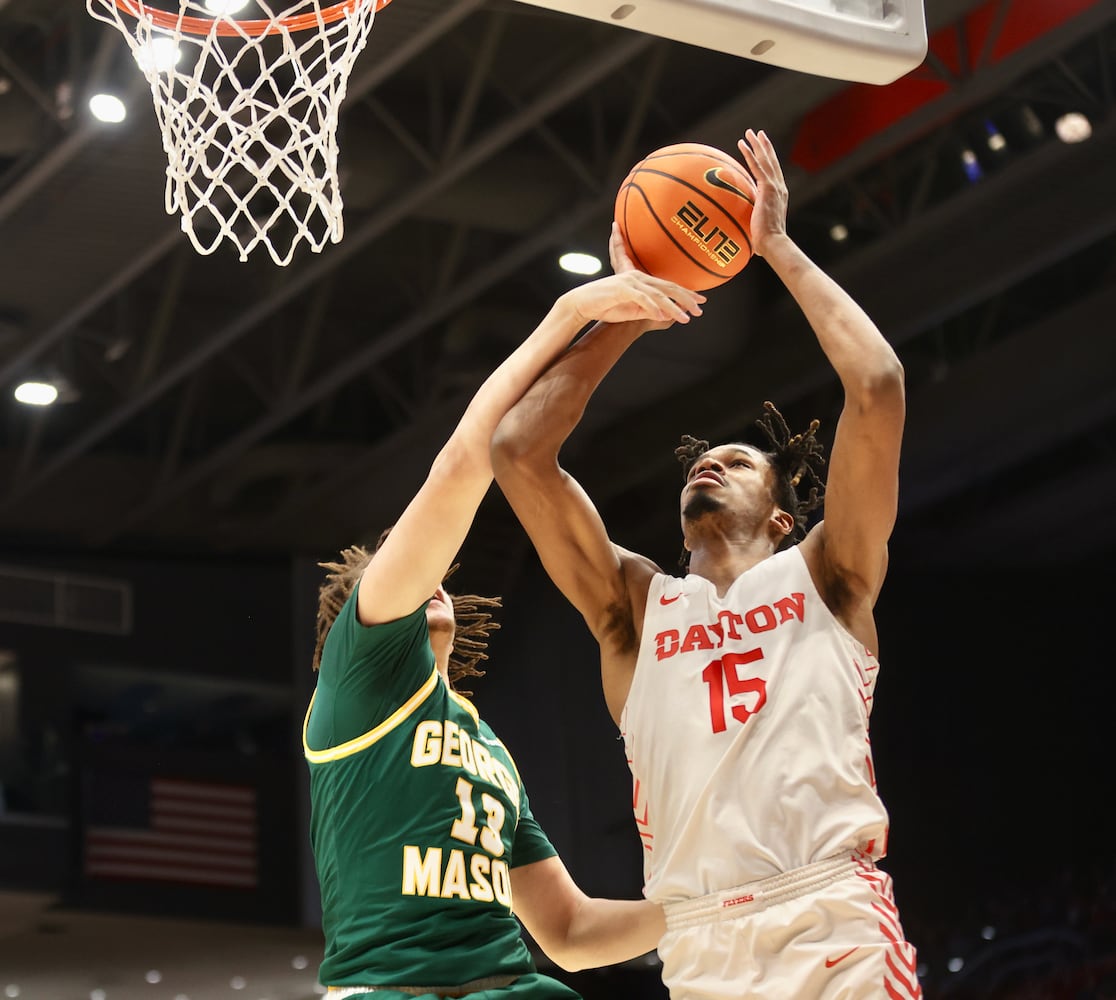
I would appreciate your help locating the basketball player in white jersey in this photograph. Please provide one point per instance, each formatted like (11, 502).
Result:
(743, 689)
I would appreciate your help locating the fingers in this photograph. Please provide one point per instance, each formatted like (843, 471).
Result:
(618, 251)
(671, 300)
(759, 156)
(634, 295)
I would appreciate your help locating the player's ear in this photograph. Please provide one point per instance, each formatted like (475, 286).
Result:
(782, 522)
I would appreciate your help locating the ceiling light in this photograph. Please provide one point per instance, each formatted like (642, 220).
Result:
(580, 263)
(995, 140)
(1031, 122)
(107, 108)
(220, 7)
(955, 964)
(35, 394)
(1073, 127)
(971, 164)
(838, 232)
(161, 54)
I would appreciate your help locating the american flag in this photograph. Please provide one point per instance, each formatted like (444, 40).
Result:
(154, 829)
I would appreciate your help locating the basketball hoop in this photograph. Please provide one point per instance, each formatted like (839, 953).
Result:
(248, 111)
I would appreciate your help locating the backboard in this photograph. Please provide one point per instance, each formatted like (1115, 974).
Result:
(864, 41)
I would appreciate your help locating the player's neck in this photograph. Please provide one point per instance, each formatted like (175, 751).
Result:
(721, 561)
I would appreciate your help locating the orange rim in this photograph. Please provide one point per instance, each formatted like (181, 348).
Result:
(203, 25)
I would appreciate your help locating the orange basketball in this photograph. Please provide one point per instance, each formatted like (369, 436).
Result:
(685, 213)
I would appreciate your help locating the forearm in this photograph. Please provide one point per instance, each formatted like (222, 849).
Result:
(509, 382)
(854, 346)
(549, 411)
(606, 931)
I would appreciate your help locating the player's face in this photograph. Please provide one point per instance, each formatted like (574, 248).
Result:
(439, 613)
(728, 478)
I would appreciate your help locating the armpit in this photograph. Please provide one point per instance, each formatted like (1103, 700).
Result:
(619, 628)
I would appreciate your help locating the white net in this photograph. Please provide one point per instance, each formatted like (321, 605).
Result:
(248, 111)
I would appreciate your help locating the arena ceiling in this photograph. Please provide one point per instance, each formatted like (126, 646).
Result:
(216, 406)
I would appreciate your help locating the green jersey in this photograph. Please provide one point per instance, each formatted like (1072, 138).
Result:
(418, 814)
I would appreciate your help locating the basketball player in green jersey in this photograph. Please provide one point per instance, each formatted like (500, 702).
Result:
(425, 846)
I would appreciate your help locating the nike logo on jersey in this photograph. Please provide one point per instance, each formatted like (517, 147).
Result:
(664, 600)
(713, 177)
(830, 962)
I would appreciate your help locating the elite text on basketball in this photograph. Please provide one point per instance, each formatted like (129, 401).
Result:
(716, 242)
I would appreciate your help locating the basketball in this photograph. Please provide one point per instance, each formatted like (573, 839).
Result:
(685, 212)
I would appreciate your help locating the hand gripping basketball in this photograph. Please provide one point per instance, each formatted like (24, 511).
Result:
(633, 295)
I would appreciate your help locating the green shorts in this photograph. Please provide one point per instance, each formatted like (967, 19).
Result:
(533, 986)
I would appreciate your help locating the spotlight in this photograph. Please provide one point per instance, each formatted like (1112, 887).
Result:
(161, 54)
(972, 165)
(1073, 127)
(955, 964)
(838, 232)
(995, 138)
(108, 108)
(580, 263)
(35, 394)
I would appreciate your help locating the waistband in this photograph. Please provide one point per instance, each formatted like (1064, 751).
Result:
(461, 990)
(752, 897)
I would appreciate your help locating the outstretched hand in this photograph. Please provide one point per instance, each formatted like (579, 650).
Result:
(632, 295)
(769, 214)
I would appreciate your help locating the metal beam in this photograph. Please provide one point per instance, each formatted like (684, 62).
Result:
(359, 85)
(592, 69)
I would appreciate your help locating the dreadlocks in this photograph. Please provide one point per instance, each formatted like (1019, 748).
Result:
(796, 459)
(473, 625)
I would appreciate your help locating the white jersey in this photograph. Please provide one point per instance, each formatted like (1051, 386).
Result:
(746, 730)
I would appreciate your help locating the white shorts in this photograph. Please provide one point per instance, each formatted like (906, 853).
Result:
(829, 931)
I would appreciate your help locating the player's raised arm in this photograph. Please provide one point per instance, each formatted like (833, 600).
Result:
(600, 579)
(414, 558)
(861, 494)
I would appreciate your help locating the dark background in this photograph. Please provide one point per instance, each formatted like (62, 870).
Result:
(225, 425)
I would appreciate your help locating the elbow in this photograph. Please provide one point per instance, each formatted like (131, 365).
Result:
(503, 445)
(881, 387)
(511, 446)
(568, 958)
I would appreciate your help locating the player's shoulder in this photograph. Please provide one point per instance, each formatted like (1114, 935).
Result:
(638, 569)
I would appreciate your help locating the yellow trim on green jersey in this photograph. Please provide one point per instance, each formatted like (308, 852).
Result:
(511, 759)
(468, 706)
(370, 737)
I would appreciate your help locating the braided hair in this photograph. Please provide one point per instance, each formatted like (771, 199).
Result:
(796, 459)
(473, 625)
